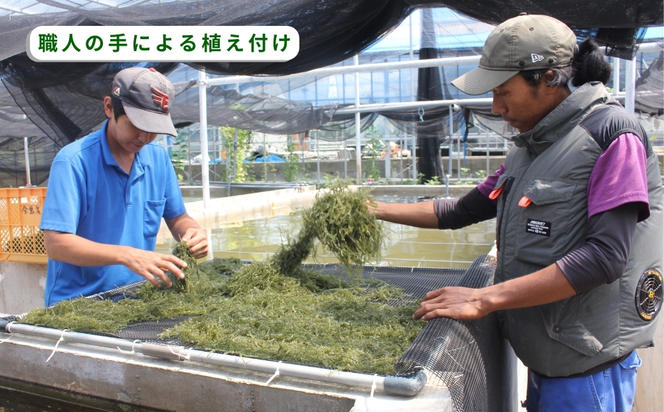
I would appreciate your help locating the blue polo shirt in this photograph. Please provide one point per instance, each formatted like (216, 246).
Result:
(91, 196)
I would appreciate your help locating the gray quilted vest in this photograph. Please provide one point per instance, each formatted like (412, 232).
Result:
(551, 165)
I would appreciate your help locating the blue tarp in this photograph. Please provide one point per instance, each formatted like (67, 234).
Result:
(271, 158)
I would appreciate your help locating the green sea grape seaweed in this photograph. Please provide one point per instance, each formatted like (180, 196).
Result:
(276, 309)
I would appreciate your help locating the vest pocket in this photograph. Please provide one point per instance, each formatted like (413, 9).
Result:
(562, 324)
(152, 213)
(550, 216)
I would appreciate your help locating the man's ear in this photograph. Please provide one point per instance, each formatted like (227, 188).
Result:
(548, 76)
(108, 107)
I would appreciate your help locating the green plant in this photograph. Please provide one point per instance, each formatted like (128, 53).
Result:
(292, 169)
(430, 182)
(469, 176)
(373, 150)
(179, 151)
(236, 141)
(433, 181)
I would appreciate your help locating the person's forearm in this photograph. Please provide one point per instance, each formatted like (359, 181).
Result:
(538, 288)
(179, 225)
(462, 303)
(470, 208)
(76, 250)
(413, 214)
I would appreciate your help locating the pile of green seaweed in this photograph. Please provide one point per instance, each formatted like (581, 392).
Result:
(274, 309)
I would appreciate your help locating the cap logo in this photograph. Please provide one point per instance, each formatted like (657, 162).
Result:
(160, 98)
(116, 91)
(536, 57)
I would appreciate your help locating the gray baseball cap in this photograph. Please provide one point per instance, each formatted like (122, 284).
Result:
(146, 96)
(525, 42)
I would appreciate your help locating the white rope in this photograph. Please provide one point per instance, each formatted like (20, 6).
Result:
(8, 329)
(179, 353)
(276, 373)
(132, 351)
(373, 386)
(55, 348)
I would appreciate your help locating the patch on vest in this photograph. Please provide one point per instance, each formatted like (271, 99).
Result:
(538, 227)
(648, 296)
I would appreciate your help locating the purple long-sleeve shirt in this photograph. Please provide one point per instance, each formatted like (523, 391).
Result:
(617, 200)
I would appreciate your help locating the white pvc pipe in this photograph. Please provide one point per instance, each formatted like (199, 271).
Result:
(388, 155)
(630, 84)
(616, 76)
(370, 108)
(458, 150)
(358, 132)
(205, 161)
(413, 80)
(180, 353)
(28, 181)
(449, 144)
(369, 67)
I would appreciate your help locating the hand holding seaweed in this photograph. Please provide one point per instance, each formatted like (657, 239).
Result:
(194, 279)
(342, 222)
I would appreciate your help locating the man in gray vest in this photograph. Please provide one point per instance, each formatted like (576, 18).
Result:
(578, 204)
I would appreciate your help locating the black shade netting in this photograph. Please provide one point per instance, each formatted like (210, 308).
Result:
(331, 30)
(650, 88)
(471, 359)
(61, 101)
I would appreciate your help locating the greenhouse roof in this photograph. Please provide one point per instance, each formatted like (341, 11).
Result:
(453, 30)
(36, 7)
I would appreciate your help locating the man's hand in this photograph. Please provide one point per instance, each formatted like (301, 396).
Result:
(452, 302)
(153, 266)
(374, 207)
(538, 288)
(197, 242)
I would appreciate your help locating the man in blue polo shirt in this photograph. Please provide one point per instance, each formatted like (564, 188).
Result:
(107, 193)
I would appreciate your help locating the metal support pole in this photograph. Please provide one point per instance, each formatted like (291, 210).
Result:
(413, 96)
(388, 155)
(265, 153)
(616, 76)
(413, 164)
(345, 154)
(318, 159)
(28, 182)
(401, 149)
(458, 151)
(205, 161)
(630, 84)
(358, 133)
(449, 145)
(487, 161)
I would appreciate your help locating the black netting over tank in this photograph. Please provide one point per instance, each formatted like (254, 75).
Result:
(470, 359)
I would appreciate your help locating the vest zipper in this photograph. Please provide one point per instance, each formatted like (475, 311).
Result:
(504, 192)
